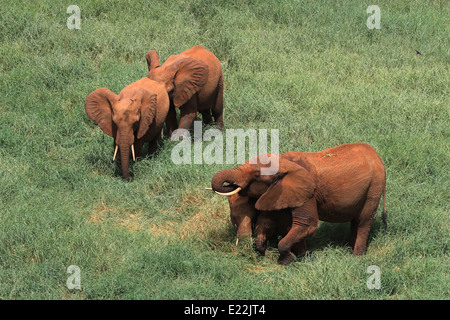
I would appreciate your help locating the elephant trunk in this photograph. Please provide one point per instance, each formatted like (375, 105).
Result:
(224, 181)
(261, 231)
(260, 243)
(124, 159)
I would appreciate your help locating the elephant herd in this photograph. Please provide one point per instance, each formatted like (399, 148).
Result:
(340, 184)
(191, 81)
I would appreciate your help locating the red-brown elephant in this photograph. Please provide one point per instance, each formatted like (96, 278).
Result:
(339, 184)
(194, 81)
(133, 117)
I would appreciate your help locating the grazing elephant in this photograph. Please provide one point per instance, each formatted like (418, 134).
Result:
(194, 81)
(133, 117)
(339, 184)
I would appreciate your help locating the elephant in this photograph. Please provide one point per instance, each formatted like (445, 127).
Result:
(338, 184)
(133, 117)
(194, 81)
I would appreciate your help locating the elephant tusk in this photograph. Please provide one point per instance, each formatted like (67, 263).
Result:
(226, 194)
(132, 152)
(237, 241)
(115, 152)
(210, 189)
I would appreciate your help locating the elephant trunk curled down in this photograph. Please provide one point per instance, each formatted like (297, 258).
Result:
(339, 184)
(223, 181)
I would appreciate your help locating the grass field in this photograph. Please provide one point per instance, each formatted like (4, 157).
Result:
(311, 69)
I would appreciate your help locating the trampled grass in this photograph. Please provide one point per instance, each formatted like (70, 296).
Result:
(311, 69)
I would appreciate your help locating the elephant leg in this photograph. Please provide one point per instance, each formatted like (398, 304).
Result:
(152, 145)
(138, 146)
(265, 231)
(353, 232)
(299, 248)
(242, 214)
(171, 120)
(295, 235)
(206, 116)
(188, 112)
(304, 223)
(217, 110)
(362, 226)
(244, 226)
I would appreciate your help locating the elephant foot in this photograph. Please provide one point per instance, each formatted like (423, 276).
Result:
(285, 259)
(358, 253)
(299, 249)
(261, 250)
(260, 245)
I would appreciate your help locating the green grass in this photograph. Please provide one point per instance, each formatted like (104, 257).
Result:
(311, 69)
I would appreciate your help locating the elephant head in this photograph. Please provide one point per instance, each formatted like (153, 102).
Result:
(290, 186)
(182, 76)
(125, 117)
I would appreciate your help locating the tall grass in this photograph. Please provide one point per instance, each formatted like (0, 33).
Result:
(311, 69)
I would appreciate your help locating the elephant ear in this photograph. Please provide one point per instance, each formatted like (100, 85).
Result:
(189, 79)
(148, 111)
(152, 60)
(98, 107)
(294, 187)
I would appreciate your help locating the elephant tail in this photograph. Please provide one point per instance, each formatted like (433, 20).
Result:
(384, 216)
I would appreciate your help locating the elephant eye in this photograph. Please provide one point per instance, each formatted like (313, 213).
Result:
(257, 174)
